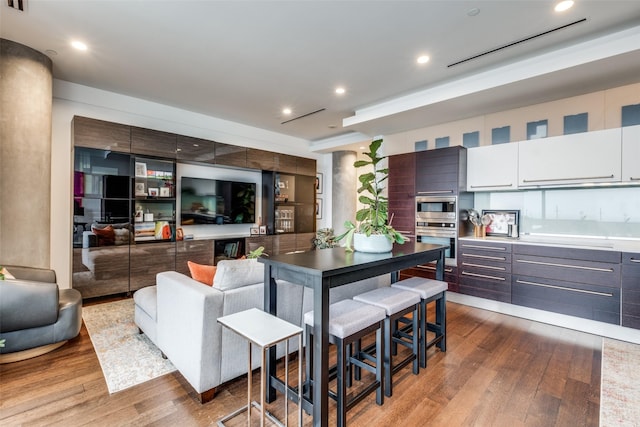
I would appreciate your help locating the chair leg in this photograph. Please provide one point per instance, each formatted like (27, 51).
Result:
(380, 369)
(415, 340)
(423, 334)
(387, 361)
(441, 319)
(341, 383)
(309, 361)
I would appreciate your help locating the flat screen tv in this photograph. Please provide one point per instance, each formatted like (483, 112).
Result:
(216, 201)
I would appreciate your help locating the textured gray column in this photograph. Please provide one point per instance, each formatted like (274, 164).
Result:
(25, 155)
(344, 183)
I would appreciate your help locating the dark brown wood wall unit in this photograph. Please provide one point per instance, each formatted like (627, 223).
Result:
(151, 142)
(401, 191)
(230, 155)
(92, 133)
(195, 149)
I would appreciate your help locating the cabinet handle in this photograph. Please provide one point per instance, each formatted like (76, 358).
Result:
(634, 260)
(489, 267)
(494, 185)
(466, 273)
(578, 267)
(633, 178)
(563, 288)
(428, 267)
(568, 179)
(436, 192)
(495, 258)
(490, 248)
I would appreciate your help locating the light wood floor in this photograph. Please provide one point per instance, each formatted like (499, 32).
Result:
(497, 371)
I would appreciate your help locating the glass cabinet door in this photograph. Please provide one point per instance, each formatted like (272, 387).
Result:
(101, 222)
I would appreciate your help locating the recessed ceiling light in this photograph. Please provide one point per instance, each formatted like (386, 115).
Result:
(422, 59)
(79, 45)
(564, 5)
(286, 111)
(340, 90)
(473, 12)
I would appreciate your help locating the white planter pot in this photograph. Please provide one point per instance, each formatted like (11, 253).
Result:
(374, 244)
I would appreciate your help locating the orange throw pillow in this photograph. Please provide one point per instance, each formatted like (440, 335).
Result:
(202, 273)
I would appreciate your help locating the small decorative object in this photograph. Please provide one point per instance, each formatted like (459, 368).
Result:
(153, 192)
(318, 208)
(319, 183)
(165, 192)
(139, 216)
(163, 230)
(254, 231)
(141, 169)
(140, 191)
(179, 234)
(263, 229)
(148, 216)
(324, 239)
(373, 219)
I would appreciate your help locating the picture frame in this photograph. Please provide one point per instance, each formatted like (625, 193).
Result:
(140, 189)
(318, 208)
(141, 170)
(165, 192)
(500, 221)
(263, 229)
(179, 234)
(319, 183)
(254, 231)
(153, 192)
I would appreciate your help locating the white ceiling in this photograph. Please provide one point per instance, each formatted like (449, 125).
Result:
(244, 61)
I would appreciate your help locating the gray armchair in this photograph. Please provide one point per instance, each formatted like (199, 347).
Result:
(35, 315)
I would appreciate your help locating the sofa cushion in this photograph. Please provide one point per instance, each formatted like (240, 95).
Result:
(106, 235)
(237, 273)
(202, 273)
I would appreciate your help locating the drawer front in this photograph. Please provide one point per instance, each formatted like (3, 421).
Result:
(612, 257)
(494, 286)
(587, 301)
(491, 247)
(579, 271)
(485, 263)
(484, 282)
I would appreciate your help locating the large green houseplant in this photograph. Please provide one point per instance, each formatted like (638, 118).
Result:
(373, 218)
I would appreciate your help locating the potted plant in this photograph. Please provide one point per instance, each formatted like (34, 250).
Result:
(372, 231)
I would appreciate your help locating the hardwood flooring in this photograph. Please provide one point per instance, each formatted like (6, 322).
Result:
(498, 370)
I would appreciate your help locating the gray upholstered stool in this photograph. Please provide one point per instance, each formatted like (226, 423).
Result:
(397, 304)
(265, 331)
(429, 290)
(350, 321)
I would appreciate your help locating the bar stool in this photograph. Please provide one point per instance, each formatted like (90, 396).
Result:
(350, 321)
(265, 330)
(429, 290)
(397, 304)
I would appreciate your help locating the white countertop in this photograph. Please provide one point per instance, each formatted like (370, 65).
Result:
(622, 245)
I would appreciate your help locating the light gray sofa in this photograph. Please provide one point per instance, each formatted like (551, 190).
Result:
(180, 316)
(35, 315)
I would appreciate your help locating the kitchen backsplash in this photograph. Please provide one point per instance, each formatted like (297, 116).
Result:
(589, 212)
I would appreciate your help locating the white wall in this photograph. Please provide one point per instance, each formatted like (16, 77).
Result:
(71, 99)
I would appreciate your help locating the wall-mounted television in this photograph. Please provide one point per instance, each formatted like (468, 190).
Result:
(216, 201)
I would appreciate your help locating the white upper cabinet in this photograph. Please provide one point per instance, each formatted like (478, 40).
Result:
(582, 158)
(631, 154)
(492, 168)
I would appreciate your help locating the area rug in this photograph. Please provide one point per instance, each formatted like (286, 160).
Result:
(620, 385)
(126, 357)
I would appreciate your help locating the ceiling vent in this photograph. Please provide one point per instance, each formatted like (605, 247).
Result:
(304, 115)
(16, 4)
(526, 39)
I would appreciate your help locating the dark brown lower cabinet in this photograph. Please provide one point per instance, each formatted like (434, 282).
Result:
(485, 269)
(198, 251)
(631, 290)
(577, 282)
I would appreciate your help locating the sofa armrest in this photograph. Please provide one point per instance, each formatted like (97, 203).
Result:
(188, 331)
(31, 273)
(26, 305)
